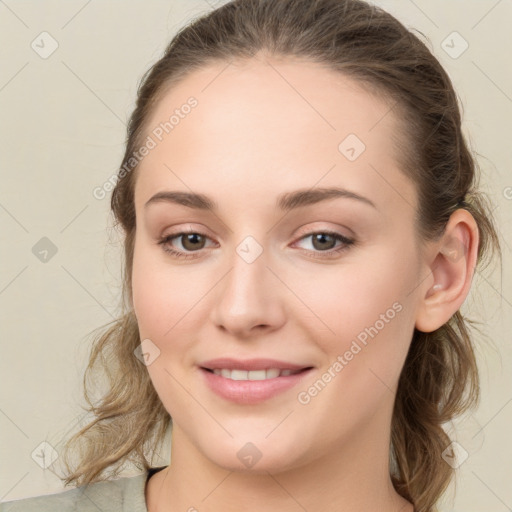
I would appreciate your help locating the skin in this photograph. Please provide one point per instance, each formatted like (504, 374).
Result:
(262, 128)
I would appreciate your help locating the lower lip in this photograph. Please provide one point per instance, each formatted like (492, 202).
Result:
(250, 392)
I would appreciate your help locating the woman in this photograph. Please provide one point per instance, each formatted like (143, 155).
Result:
(297, 376)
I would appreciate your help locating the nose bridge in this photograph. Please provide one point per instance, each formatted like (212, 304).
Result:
(249, 296)
(247, 280)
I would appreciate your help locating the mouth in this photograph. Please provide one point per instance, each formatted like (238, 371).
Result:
(252, 381)
(265, 374)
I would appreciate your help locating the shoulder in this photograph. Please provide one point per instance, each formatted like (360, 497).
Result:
(118, 495)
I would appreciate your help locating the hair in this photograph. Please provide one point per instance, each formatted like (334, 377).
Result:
(439, 380)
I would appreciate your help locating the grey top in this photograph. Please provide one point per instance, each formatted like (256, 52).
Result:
(121, 495)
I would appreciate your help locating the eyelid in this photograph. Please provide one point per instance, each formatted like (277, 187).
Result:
(310, 230)
(303, 232)
(185, 231)
(346, 242)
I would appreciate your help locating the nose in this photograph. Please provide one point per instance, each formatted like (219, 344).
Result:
(250, 297)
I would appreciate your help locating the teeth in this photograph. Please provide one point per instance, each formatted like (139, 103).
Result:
(271, 373)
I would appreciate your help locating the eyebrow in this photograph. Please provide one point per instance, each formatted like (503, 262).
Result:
(286, 202)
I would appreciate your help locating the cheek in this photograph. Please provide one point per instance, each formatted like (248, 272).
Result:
(153, 293)
(166, 299)
(161, 313)
(145, 294)
(370, 319)
(157, 294)
(355, 296)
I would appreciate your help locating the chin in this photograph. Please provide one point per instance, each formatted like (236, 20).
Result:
(259, 457)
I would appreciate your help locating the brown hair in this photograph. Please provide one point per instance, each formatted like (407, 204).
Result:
(440, 379)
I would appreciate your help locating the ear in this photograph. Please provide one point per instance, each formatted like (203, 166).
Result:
(452, 262)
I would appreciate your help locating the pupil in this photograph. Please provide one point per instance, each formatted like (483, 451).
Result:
(321, 238)
(192, 238)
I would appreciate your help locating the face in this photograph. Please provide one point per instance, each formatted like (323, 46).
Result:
(323, 282)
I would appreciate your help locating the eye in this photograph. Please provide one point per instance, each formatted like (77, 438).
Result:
(322, 241)
(193, 241)
(190, 241)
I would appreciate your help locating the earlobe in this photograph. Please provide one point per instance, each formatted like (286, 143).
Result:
(451, 267)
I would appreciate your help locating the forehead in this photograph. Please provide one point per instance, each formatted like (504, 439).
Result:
(261, 124)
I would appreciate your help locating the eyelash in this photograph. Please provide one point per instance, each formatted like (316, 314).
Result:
(347, 242)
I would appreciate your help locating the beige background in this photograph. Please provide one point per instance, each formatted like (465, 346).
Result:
(62, 134)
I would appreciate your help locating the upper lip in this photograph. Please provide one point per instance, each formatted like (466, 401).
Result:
(250, 364)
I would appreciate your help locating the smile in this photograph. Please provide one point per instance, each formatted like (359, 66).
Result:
(250, 387)
(271, 373)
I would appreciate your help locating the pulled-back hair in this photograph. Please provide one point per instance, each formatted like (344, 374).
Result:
(439, 380)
